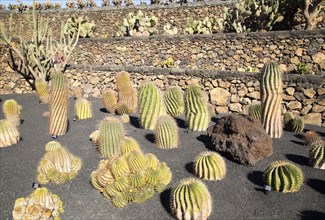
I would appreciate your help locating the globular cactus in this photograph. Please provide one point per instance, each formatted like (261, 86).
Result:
(191, 199)
(122, 108)
(111, 136)
(151, 105)
(9, 134)
(283, 176)
(294, 124)
(126, 92)
(109, 101)
(58, 124)
(197, 113)
(209, 166)
(287, 118)
(312, 137)
(255, 111)
(41, 204)
(58, 164)
(271, 98)
(128, 145)
(174, 101)
(83, 109)
(125, 118)
(86, 28)
(166, 132)
(42, 90)
(11, 110)
(316, 155)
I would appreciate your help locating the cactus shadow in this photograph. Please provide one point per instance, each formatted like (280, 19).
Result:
(135, 121)
(298, 142)
(165, 200)
(206, 140)
(150, 137)
(103, 110)
(301, 160)
(22, 121)
(181, 123)
(256, 177)
(317, 185)
(300, 136)
(189, 167)
(309, 214)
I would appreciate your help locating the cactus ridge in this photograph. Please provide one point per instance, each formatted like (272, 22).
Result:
(166, 132)
(122, 108)
(120, 167)
(151, 161)
(119, 201)
(210, 166)
(128, 145)
(83, 108)
(52, 146)
(11, 110)
(255, 111)
(298, 124)
(316, 155)
(109, 101)
(136, 161)
(174, 101)
(9, 134)
(42, 90)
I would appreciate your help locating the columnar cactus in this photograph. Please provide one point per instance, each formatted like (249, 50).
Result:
(109, 101)
(11, 110)
(151, 105)
(255, 111)
(271, 98)
(58, 164)
(316, 155)
(83, 109)
(42, 90)
(191, 199)
(58, 124)
(283, 176)
(210, 166)
(126, 92)
(41, 204)
(9, 134)
(197, 113)
(174, 101)
(166, 132)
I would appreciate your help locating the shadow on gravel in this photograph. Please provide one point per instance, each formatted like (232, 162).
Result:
(308, 214)
(300, 136)
(206, 141)
(165, 200)
(298, 142)
(150, 137)
(317, 185)
(135, 121)
(301, 160)
(103, 110)
(256, 177)
(189, 167)
(181, 123)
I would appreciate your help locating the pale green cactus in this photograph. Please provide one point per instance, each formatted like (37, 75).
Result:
(9, 134)
(42, 90)
(126, 94)
(83, 109)
(169, 30)
(210, 165)
(316, 155)
(166, 132)
(86, 28)
(109, 100)
(174, 101)
(207, 26)
(11, 110)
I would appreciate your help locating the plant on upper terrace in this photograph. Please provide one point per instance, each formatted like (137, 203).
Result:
(105, 2)
(128, 2)
(311, 10)
(168, 63)
(81, 4)
(2, 7)
(91, 3)
(155, 2)
(302, 68)
(70, 4)
(72, 25)
(170, 30)
(207, 26)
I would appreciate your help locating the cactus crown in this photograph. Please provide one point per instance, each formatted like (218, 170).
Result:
(109, 100)
(58, 82)
(210, 165)
(11, 108)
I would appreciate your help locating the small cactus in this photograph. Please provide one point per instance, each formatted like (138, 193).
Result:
(283, 176)
(294, 124)
(126, 92)
(83, 108)
(42, 90)
(9, 134)
(122, 108)
(191, 199)
(109, 101)
(166, 132)
(11, 110)
(128, 145)
(174, 101)
(255, 111)
(210, 166)
(287, 118)
(312, 137)
(316, 155)
(125, 118)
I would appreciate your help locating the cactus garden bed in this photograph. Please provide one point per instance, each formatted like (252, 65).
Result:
(239, 195)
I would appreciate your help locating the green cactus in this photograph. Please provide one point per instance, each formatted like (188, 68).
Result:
(312, 137)
(287, 118)
(42, 90)
(207, 26)
(11, 110)
(169, 63)
(136, 161)
(109, 101)
(111, 136)
(126, 92)
(86, 28)
(9, 134)
(169, 30)
(316, 155)
(197, 113)
(122, 108)
(174, 101)
(294, 124)
(166, 132)
(271, 98)
(191, 199)
(94, 137)
(210, 166)
(283, 176)
(58, 124)
(151, 161)
(83, 108)
(120, 167)
(151, 105)
(255, 111)
(52, 146)
(125, 118)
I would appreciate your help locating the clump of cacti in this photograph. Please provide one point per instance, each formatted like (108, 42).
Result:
(169, 30)
(191, 199)
(312, 137)
(42, 90)
(255, 111)
(41, 204)
(58, 164)
(109, 100)
(166, 132)
(174, 101)
(292, 123)
(132, 177)
(83, 109)
(316, 155)
(209, 165)
(86, 28)
(283, 176)
(9, 134)
(125, 92)
(151, 105)
(197, 113)
(207, 26)
(271, 98)
(11, 110)
(122, 108)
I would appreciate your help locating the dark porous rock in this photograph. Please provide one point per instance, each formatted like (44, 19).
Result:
(243, 138)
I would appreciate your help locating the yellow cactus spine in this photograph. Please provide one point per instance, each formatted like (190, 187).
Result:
(11, 110)
(109, 101)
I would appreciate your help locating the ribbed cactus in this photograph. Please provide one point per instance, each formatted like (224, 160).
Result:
(255, 111)
(58, 124)
(151, 105)
(122, 108)
(197, 113)
(210, 166)
(126, 92)
(109, 100)
(174, 101)
(288, 116)
(312, 137)
(83, 109)
(11, 110)
(41, 204)
(111, 136)
(9, 134)
(283, 176)
(58, 164)
(191, 199)
(316, 155)
(294, 124)
(271, 98)
(166, 132)
(125, 118)
(129, 144)
(42, 90)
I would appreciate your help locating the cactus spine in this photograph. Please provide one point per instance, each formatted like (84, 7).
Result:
(255, 111)
(42, 90)
(174, 101)
(9, 134)
(166, 132)
(11, 110)
(151, 105)
(316, 154)
(126, 92)
(197, 113)
(271, 98)
(109, 101)
(58, 124)
(191, 200)
(283, 176)
(83, 109)
(210, 166)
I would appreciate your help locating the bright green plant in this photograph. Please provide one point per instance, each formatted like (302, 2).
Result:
(210, 165)
(122, 108)
(126, 93)
(42, 90)
(174, 101)
(83, 109)
(73, 23)
(168, 63)
(11, 110)
(169, 30)
(302, 68)
(9, 134)
(207, 26)
(316, 155)
(255, 111)
(109, 100)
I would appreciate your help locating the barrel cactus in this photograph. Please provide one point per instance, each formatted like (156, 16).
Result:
(210, 166)
(271, 98)
(191, 199)
(287, 118)
(11, 110)
(166, 132)
(128, 145)
(316, 155)
(292, 123)
(83, 109)
(255, 111)
(174, 101)
(283, 176)
(312, 137)
(109, 101)
(42, 90)
(125, 91)
(94, 136)
(9, 134)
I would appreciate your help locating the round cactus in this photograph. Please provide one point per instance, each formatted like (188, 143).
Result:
(9, 134)
(166, 132)
(287, 118)
(109, 101)
(191, 199)
(94, 136)
(11, 110)
(83, 108)
(297, 124)
(122, 108)
(316, 155)
(136, 161)
(312, 137)
(210, 166)
(255, 111)
(283, 176)
(42, 90)
(174, 101)
(52, 146)
(128, 145)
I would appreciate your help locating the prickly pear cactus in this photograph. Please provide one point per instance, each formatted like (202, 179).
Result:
(86, 28)
(316, 155)
(191, 199)
(283, 176)
(210, 166)
(255, 111)
(166, 132)
(83, 109)
(41, 204)
(9, 134)
(126, 93)
(42, 90)
(174, 101)
(11, 110)
(207, 26)
(109, 101)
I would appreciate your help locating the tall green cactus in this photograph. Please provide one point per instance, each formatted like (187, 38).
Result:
(271, 98)
(255, 111)
(283, 176)
(191, 199)
(83, 109)
(210, 165)
(58, 124)
(166, 132)
(126, 92)
(42, 90)
(109, 100)
(197, 113)
(174, 101)
(9, 134)
(151, 105)
(11, 110)
(316, 155)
